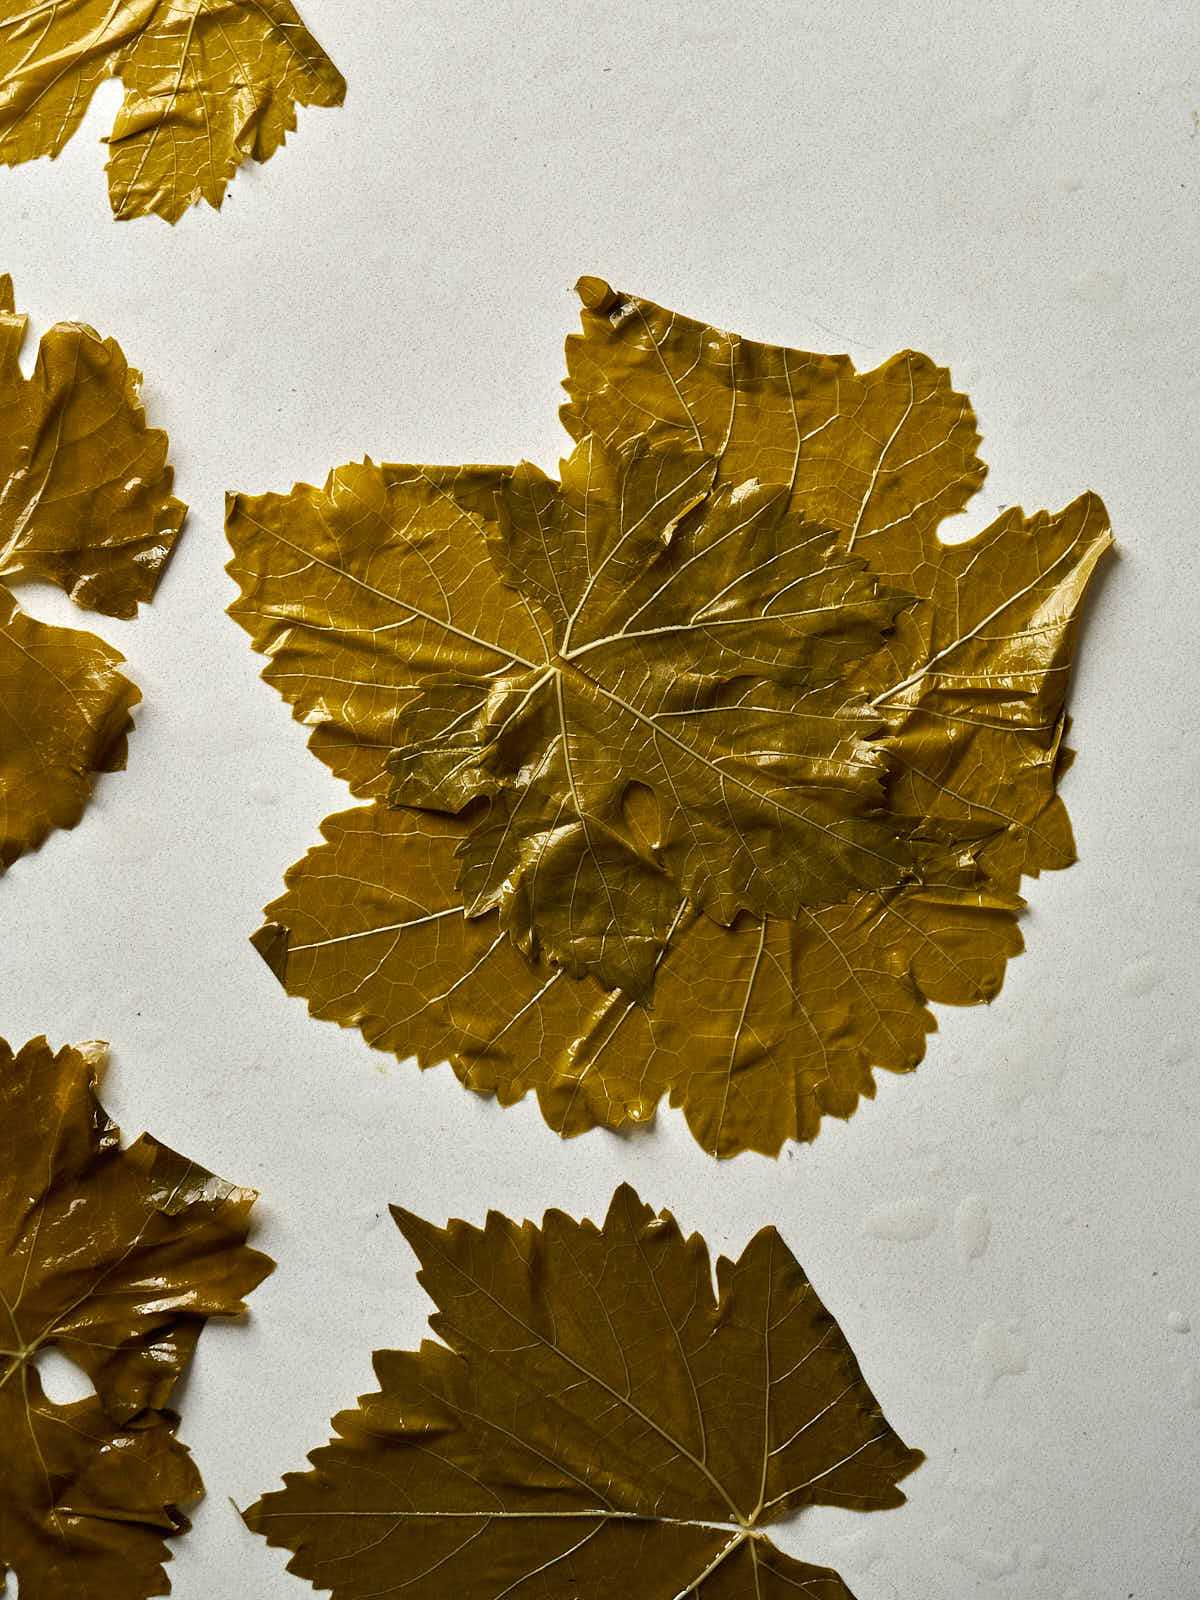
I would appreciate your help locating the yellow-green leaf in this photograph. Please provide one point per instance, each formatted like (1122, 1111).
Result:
(208, 84)
(630, 625)
(85, 489)
(592, 1420)
(747, 759)
(756, 1031)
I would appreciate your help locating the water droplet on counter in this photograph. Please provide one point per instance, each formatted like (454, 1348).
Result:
(1100, 286)
(902, 1222)
(1179, 1322)
(972, 1228)
(1001, 1351)
(1140, 977)
(1175, 1050)
(983, 1563)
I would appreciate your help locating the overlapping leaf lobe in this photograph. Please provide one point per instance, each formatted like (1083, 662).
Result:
(688, 641)
(756, 1032)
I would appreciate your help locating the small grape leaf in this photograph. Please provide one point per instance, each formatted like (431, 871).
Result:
(756, 1031)
(625, 627)
(115, 1257)
(736, 986)
(208, 84)
(591, 1421)
(85, 503)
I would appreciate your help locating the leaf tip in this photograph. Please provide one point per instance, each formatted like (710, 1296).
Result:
(595, 293)
(272, 942)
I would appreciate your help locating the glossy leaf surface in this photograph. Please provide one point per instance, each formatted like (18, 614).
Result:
(742, 556)
(626, 627)
(208, 84)
(593, 1420)
(756, 1031)
(115, 1257)
(85, 503)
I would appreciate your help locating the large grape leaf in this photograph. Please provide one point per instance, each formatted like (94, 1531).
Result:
(115, 1257)
(593, 1421)
(85, 503)
(756, 1031)
(741, 978)
(629, 626)
(975, 676)
(208, 84)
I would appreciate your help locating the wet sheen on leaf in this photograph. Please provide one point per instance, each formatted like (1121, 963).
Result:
(85, 503)
(697, 772)
(115, 1258)
(208, 84)
(592, 1420)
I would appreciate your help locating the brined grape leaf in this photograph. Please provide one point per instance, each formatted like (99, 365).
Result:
(756, 1032)
(592, 1420)
(85, 503)
(974, 678)
(742, 557)
(115, 1257)
(629, 626)
(208, 84)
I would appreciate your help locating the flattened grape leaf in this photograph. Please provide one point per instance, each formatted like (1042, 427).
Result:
(592, 1420)
(208, 84)
(755, 1031)
(115, 1257)
(85, 503)
(974, 678)
(718, 962)
(626, 627)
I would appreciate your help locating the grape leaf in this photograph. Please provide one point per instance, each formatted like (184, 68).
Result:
(593, 1421)
(208, 84)
(85, 503)
(628, 626)
(755, 1031)
(672, 945)
(974, 678)
(115, 1257)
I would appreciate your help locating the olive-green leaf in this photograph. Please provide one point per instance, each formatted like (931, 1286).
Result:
(593, 1420)
(116, 1258)
(85, 503)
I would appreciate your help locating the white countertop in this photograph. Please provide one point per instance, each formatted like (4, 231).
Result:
(1014, 189)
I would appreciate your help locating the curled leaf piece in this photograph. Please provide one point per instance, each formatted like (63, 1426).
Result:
(593, 1420)
(208, 84)
(85, 503)
(116, 1258)
(743, 759)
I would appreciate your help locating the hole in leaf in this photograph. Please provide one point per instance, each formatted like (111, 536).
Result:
(63, 1382)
